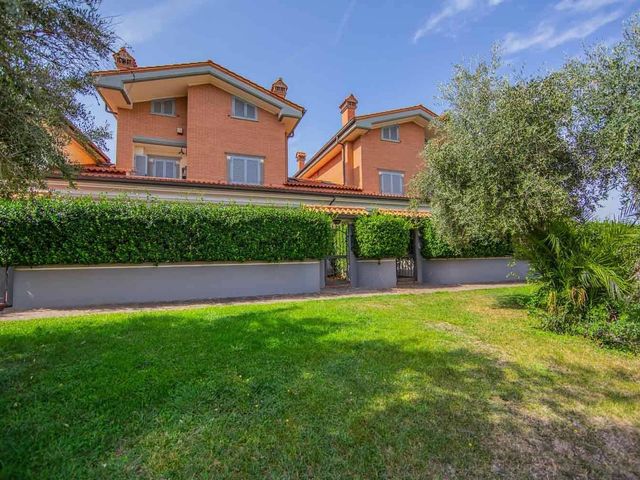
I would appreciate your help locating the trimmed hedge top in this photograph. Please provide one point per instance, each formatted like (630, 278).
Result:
(381, 236)
(49, 231)
(433, 246)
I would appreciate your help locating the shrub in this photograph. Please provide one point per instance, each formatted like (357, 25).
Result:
(434, 246)
(586, 277)
(49, 231)
(381, 236)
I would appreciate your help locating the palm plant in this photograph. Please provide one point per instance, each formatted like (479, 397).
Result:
(581, 266)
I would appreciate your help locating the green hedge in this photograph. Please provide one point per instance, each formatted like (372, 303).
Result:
(381, 236)
(51, 231)
(433, 246)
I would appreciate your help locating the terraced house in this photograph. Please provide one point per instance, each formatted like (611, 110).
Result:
(199, 130)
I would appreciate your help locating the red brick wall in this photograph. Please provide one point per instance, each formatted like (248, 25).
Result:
(140, 122)
(402, 156)
(213, 133)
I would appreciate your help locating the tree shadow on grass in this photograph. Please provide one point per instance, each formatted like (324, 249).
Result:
(279, 393)
(514, 301)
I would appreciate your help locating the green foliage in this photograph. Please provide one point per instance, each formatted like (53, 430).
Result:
(515, 154)
(586, 273)
(47, 51)
(381, 236)
(434, 246)
(84, 231)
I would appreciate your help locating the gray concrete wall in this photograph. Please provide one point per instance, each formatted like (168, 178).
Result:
(452, 271)
(79, 286)
(376, 273)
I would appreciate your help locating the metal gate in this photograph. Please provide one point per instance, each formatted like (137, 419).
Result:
(406, 266)
(336, 265)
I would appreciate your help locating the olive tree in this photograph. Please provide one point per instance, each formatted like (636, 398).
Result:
(47, 51)
(512, 155)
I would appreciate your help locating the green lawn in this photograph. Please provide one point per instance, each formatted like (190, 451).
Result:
(443, 385)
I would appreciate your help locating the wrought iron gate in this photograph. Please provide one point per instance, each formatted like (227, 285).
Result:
(406, 266)
(337, 268)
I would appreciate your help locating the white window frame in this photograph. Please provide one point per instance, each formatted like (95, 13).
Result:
(387, 138)
(391, 173)
(153, 159)
(150, 161)
(162, 101)
(245, 116)
(233, 157)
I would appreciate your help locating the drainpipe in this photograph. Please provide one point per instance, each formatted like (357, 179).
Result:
(344, 163)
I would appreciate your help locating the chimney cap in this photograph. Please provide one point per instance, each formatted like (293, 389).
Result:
(301, 154)
(350, 102)
(279, 88)
(124, 60)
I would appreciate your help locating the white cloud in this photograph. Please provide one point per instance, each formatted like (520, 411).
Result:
(344, 20)
(450, 8)
(142, 24)
(584, 5)
(547, 36)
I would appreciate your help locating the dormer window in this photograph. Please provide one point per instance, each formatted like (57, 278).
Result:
(164, 107)
(243, 109)
(391, 133)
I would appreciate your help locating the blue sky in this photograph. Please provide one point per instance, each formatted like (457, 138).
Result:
(390, 54)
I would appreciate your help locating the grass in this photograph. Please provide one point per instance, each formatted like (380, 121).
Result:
(446, 385)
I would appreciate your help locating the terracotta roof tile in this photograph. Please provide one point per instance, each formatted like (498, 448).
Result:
(113, 173)
(357, 211)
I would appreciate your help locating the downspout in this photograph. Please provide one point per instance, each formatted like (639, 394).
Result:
(344, 163)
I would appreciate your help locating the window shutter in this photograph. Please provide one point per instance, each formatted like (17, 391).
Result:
(238, 106)
(141, 164)
(158, 168)
(170, 169)
(237, 170)
(385, 183)
(251, 111)
(253, 171)
(397, 184)
(168, 107)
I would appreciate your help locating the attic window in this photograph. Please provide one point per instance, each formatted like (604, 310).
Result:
(164, 107)
(242, 109)
(391, 133)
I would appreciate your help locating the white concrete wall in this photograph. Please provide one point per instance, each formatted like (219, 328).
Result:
(79, 286)
(453, 271)
(376, 274)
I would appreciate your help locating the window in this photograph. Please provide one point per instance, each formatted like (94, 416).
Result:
(391, 133)
(165, 167)
(163, 107)
(245, 169)
(392, 182)
(242, 109)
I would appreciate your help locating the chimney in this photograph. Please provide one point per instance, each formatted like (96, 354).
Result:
(348, 109)
(124, 60)
(279, 88)
(301, 157)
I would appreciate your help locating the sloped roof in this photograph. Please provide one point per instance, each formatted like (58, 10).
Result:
(360, 124)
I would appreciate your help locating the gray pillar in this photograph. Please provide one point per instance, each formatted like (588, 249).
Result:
(323, 273)
(417, 246)
(6, 286)
(353, 264)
